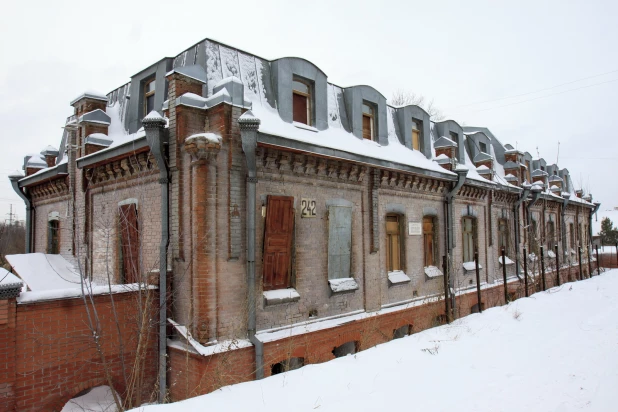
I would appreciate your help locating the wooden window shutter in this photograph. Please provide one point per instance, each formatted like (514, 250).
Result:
(416, 139)
(129, 242)
(278, 232)
(428, 241)
(339, 241)
(300, 108)
(367, 126)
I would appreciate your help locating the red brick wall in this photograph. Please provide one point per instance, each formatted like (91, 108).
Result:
(48, 354)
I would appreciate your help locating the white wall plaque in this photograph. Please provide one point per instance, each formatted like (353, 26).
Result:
(415, 228)
(308, 208)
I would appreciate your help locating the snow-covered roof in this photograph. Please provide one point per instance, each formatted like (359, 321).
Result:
(195, 72)
(99, 139)
(49, 151)
(45, 272)
(90, 94)
(36, 162)
(95, 116)
(8, 280)
(444, 141)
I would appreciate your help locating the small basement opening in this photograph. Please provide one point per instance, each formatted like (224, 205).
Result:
(348, 348)
(287, 365)
(403, 331)
(475, 308)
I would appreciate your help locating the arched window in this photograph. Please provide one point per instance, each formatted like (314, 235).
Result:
(368, 121)
(149, 96)
(301, 104)
(53, 236)
(394, 247)
(429, 241)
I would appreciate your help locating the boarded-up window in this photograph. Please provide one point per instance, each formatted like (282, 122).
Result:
(368, 122)
(278, 233)
(572, 244)
(416, 135)
(53, 237)
(429, 241)
(468, 239)
(129, 243)
(393, 243)
(339, 241)
(301, 101)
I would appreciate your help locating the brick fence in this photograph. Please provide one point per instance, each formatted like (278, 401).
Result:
(48, 354)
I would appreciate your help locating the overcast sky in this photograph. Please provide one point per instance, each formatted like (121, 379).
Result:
(534, 72)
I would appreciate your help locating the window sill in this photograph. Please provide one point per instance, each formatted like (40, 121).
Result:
(432, 272)
(280, 296)
(305, 127)
(343, 285)
(507, 260)
(397, 277)
(470, 266)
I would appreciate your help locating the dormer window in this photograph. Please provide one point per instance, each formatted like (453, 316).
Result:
(416, 134)
(483, 147)
(368, 121)
(149, 96)
(301, 96)
(454, 136)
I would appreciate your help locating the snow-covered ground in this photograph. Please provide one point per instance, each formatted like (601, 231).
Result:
(99, 399)
(555, 351)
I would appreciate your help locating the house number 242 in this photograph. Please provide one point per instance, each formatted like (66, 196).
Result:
(307, 208)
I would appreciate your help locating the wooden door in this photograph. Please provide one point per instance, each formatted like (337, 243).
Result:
(129, 242)
(278, 233)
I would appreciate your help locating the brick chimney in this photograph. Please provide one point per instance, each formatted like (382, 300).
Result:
(50, 154)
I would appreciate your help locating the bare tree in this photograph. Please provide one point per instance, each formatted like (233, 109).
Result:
(405, 97)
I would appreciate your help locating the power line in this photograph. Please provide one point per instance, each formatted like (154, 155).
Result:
(547, 95)
(537, 91)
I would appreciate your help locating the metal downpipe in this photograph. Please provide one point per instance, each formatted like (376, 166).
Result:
(462, 172)
(15, 184)
(248, 133)
(154, 126)
(518, 203)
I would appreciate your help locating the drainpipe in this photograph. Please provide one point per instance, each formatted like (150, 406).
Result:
(15, 183)
(154, 126)
(249, 125)
(565, 203)
(461, 171)
(536, 194)
(522, 197)
(596, 207)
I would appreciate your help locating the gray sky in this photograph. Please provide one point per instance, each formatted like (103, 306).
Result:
(457, 53)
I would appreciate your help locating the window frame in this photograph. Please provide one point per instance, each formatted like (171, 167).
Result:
(147, 94)
(372, 120)
(473, 241)
(483, 145)
(418, 129)
(308, 96)
(388, 238)
(434, 234)
(503, 235)
(53, 245)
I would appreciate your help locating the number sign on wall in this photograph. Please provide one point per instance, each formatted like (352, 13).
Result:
(415, 228)
(307, 208)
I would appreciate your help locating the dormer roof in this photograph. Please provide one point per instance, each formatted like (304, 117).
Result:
(444, 142)
(482, 156)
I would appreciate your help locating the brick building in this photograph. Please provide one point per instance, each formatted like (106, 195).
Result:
(294, 220)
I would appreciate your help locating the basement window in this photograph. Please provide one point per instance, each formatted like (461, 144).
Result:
(348, 348)
(402, 332)
(287, 365)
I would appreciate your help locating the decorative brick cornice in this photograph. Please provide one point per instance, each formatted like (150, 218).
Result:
(272, 160)
(52, 188)
(128, 167)
(390, 179)
(473, 192)
(204, 146)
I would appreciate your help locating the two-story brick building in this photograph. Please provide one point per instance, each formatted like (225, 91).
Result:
(296, 220)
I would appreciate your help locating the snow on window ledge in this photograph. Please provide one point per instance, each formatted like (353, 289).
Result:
(280, 296)
(397, 277)
(433, 272)
(305, 127)
(342, 285)
(506, 259)
(551, 254)
(471, 266)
